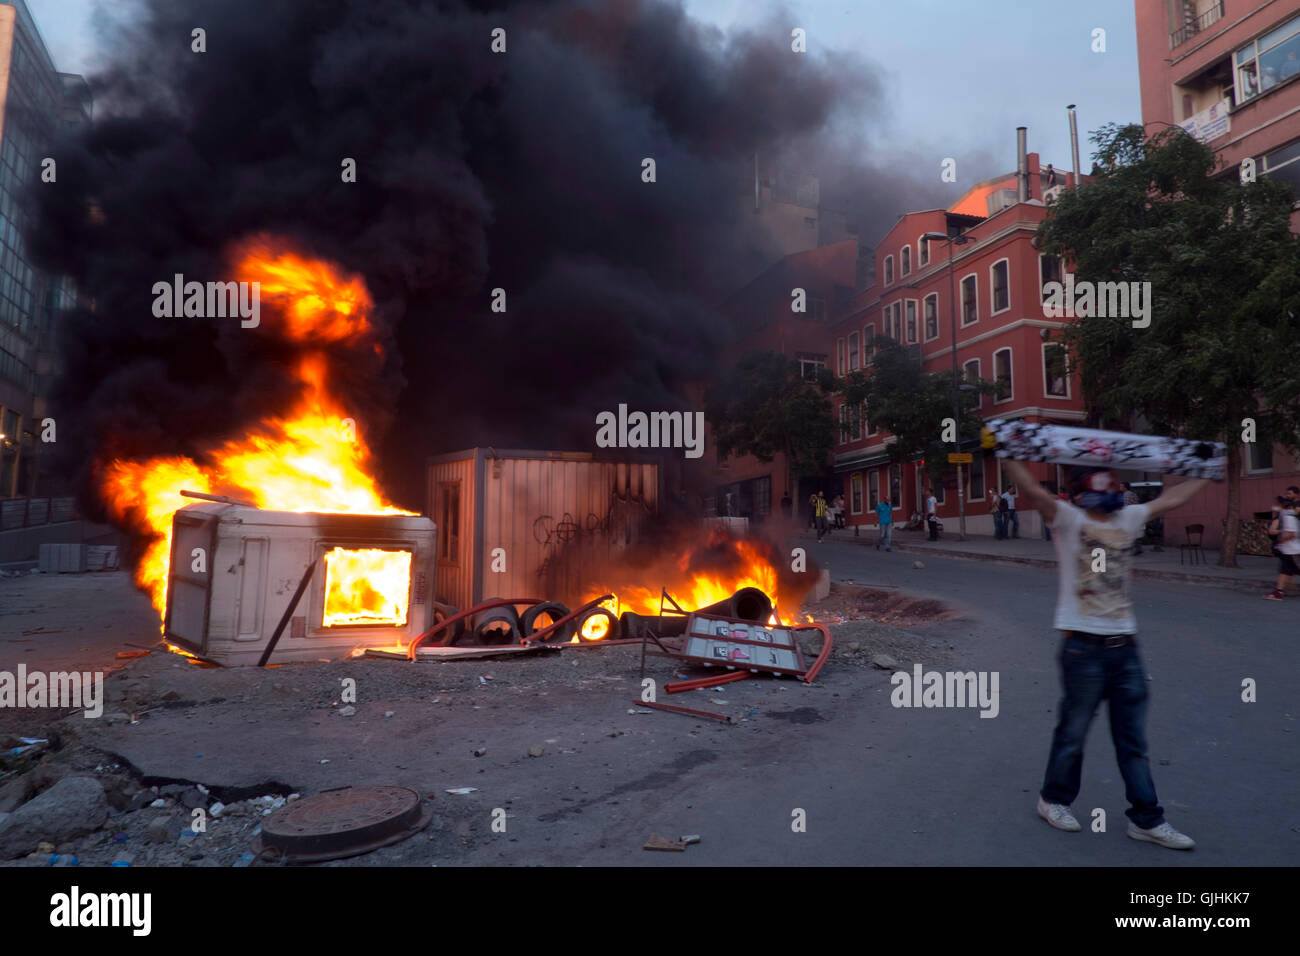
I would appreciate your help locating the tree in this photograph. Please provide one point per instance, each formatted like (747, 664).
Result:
(764, 406)
(912, 405)
(1224, 273)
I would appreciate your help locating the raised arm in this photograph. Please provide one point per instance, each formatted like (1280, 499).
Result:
(1176, 495)
(1029, 486)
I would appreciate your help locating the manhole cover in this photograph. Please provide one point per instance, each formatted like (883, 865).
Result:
(343, 822)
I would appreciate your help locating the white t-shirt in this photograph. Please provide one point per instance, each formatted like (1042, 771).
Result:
(1292, 524)
(930, 504)
(1011, 500)
(1095, 601)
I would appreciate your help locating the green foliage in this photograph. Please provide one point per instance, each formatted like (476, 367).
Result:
(764, 406)
(912, 404)
(1224, 270)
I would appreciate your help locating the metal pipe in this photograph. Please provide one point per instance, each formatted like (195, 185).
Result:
(1074, 142)
(1022, 163)
(288, 613)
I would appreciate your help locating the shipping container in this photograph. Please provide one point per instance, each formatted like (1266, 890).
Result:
(530, 524)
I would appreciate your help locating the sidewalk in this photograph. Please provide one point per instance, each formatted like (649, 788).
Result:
(1255, 574)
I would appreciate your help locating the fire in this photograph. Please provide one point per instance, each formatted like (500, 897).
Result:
(369, 586)
(702, 574)
(310, 459)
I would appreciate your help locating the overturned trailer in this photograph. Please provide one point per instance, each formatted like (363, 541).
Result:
(242, 579)
(523, 522)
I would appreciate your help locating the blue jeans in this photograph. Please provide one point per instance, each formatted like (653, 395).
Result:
(1012, 525)
(886, 535)
(1089, 675)
(999, 525)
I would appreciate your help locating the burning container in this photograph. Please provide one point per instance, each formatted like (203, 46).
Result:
(533, 523)
(235, 569)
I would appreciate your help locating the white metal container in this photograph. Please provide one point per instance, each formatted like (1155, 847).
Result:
(234, 570)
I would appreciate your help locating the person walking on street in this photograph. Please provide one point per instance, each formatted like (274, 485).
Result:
(1098, 655)
(932, 515)
(999, 516)
(819, 513)
(885, 518)
(1288, 547)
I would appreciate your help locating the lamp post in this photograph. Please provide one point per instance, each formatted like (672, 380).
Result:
(956, 384)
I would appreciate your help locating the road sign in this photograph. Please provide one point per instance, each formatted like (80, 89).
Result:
(959, 458)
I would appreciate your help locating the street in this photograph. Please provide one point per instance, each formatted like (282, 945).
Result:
(877, 785)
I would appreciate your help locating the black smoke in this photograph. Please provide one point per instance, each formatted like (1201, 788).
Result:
(475, 171)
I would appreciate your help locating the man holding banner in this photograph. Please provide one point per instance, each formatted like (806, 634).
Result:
(1093, 534)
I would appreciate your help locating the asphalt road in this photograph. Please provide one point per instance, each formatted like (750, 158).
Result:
(877, 785)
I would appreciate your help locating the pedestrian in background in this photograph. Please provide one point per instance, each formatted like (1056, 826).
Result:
(932, 515)
(819, 514)
(1288, 547)
(999, 519)
(1010, 520)
(885, 519)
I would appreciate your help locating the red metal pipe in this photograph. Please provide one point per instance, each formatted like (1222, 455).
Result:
(684, 710)
(485, 606)
(827, 643)
(546, 631)
(705, 682)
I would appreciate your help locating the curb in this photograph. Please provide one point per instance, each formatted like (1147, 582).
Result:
(1253, 587)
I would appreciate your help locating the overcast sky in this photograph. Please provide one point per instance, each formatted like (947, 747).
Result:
(961, 75)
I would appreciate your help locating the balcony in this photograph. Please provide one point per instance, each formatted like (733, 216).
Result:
(1194, 26)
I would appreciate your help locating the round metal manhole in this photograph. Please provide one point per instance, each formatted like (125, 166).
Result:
(343, 822)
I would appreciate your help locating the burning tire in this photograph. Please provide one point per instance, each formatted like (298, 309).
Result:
(499, 625)
(442, 612)
(553, 611)
(611, 625)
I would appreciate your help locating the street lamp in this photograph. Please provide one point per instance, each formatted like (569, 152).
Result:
(959, 240)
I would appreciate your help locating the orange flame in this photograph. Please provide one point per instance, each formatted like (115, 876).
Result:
(311, 459)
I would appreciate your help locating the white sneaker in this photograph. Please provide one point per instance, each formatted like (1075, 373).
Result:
(1058, 815)
(1164, 834)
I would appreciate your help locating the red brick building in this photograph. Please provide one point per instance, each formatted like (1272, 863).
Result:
(1001, 335)
(1228, 71)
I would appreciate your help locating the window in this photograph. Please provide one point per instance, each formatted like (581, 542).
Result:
(810, 366)
(853, 352)
(868, 343)
(970, 372)
(855, 493)
(923, 246)
(1284, 164)
(969, 300)
(1267, 61)
(844, 424)
(1002, 375)
(866, 425)
(906, 260)
(839, 357)
(1001, 282)
(873, 488)
(818, 309)
(895, 486)
(911, 321)
(976, 477)
(932, 316)
(937, 488)
(889, 270)
(898, 321)
(1049, 270)
(859, 419)
(1259, 456)
(1056, 382)
(449, 522)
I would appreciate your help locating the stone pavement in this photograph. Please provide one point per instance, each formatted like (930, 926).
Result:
(1254, 573)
